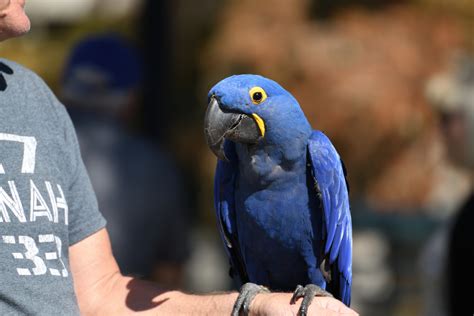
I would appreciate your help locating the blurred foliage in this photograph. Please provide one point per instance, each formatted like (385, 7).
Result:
(461, 10)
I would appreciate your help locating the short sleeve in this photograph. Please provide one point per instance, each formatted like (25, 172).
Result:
(84, 216)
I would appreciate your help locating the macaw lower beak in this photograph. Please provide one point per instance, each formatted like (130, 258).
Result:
(237, 127)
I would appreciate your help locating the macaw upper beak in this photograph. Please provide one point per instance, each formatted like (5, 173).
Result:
(237, 127)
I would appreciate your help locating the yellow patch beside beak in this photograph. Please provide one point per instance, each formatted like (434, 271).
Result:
(260, 123)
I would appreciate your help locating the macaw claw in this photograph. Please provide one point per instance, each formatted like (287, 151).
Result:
(248, 291)
(308, 293)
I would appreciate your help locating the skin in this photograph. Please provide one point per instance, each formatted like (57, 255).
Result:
(13, 19)
(102, 290)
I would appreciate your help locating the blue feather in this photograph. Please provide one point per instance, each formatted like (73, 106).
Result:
(329, 173)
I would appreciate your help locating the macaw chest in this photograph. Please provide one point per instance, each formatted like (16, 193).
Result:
(272, 198)
(274, 217)
(261, 169)
(264, 167)
(281, 215)
(276, 236)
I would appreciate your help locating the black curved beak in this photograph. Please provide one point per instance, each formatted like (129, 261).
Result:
(220, 125)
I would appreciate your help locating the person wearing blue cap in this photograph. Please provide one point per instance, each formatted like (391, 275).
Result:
(55, 253)
(138, 187)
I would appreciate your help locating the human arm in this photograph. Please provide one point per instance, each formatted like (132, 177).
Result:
(102, 290)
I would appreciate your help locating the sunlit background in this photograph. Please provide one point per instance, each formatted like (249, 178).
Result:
(358, 68)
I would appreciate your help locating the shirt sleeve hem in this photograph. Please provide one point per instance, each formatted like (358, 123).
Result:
(85, 232)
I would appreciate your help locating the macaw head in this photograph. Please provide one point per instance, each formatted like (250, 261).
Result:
(252, 109)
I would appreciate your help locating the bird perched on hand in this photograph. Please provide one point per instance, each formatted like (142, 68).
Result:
(280, 194)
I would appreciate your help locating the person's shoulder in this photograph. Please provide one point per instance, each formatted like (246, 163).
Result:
(18, 69)
(24, 82)
(20, 77)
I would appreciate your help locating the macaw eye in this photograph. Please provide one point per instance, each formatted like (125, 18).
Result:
(258, 95)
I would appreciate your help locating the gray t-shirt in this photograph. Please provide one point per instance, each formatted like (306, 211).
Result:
(46, 200)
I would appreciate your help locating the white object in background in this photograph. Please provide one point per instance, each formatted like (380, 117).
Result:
(71, 11)
(44, 11)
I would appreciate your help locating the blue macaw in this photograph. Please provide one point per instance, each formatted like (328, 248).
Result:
(280, 191)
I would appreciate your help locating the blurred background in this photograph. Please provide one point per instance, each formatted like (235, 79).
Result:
(135, 76)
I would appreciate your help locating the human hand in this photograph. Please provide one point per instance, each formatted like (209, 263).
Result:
(278, 304)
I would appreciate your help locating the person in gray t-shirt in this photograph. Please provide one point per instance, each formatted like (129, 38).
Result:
(51, 230)
(46, 199)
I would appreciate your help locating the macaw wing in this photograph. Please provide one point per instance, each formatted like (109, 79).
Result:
(329, 174)
(224, 195)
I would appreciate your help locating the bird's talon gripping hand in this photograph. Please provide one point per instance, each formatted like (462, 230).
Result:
(248, 291)
(308, 293)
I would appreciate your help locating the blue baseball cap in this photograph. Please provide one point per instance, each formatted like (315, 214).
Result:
(101, 66)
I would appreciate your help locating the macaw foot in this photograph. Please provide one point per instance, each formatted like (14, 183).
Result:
(248, 291)
(308, 293)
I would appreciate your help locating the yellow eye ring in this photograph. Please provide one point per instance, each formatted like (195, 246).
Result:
(257, 95)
